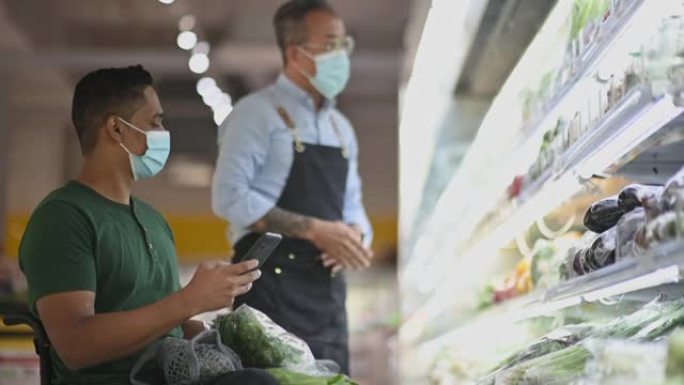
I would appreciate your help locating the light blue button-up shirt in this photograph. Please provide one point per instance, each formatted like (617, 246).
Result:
(256, 153)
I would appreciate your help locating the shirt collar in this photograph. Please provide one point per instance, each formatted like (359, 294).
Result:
(284, 83)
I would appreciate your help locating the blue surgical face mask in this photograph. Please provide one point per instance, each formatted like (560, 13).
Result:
(153, 160)
(332, 72)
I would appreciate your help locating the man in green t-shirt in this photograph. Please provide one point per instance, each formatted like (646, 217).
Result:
(101, 264)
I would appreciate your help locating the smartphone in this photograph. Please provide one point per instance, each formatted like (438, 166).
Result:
(263, 248)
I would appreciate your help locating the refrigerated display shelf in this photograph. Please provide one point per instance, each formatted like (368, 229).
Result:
(587, 63)
(642, 278)
(617, 139)
(620, 137)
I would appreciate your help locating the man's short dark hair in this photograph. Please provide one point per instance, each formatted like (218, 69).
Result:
(106, 92)
(288, 21)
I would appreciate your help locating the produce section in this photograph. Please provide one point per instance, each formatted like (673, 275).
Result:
(565, 262)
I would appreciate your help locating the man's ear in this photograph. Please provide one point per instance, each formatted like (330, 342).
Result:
(112, 128)
(292, 54)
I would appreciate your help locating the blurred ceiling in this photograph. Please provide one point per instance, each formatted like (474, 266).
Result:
(48, 44)
(73, 37)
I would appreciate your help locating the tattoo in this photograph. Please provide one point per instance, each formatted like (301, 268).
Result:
(283, 222)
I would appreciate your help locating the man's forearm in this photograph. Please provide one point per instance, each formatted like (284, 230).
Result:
(105, 337)
(284, 222)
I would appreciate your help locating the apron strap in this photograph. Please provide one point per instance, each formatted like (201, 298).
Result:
(289, 123)
(345, 151)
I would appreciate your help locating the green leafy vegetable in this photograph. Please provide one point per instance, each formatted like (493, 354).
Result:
(260, 342)
(286, 377)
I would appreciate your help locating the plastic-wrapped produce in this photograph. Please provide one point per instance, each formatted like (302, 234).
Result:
(562, 354)
(600, 254)
(580, 264)
(666, 227)
(261, 343)
(674, 192)
(627, 229)
(625, 362)
(556, 340)
(573, 265)
(602, 251)
(634, 195)
(675, 357)
(558, 368)
(545, 262)
(655, 319)
(603, 215)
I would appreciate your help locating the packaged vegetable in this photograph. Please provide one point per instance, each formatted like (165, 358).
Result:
(634, 195)
(573, 263)
(603, 215)
(560, 351)
(286, 377)
(666, 227)
(546, 260)
(558, 368)
(652, 321)
(625, 362)
(556, 340)
(600, 254)
(261, 343)
(675, 355)
(627, 229)
(672, 317)
(673, 195)
(516, 283)
(602, 251)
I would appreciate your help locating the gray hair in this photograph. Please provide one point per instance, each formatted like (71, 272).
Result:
(289, 25)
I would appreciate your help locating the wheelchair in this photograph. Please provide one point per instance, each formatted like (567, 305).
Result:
(18, 314)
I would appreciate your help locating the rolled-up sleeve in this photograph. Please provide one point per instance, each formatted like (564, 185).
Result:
(354, 211)
(243, 146)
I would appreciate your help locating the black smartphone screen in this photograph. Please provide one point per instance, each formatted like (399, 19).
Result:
(263, 248)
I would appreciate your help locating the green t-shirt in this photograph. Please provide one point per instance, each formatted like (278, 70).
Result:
(79, 240)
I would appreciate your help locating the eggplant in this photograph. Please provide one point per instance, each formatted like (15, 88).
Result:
(603, 215)
(634, 195)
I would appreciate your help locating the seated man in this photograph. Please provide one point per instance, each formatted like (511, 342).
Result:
(101, 264)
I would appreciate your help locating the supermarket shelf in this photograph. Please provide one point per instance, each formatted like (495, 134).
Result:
(616, 41)
(655, 166)
(618, 138)
(652, 273)
(588, 62)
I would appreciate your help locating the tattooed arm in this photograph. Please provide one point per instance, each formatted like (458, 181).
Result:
(339, 242)
(284, 222)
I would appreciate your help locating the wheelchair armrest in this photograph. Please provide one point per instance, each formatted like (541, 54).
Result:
(17, 317)
(18, 314)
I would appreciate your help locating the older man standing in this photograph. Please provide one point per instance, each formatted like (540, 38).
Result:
(288, 164)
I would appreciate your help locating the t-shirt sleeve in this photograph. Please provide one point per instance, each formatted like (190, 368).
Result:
(57, 251)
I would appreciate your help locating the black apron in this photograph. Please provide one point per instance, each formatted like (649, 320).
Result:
(295, 290)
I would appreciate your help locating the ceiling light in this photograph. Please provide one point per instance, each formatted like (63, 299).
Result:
(187, 40)
(202, 47)
(199, 63)
(221, 113)
(187, 23)
(205, 85)
(213, 99)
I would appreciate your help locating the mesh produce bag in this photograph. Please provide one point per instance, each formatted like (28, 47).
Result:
(187, 362)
